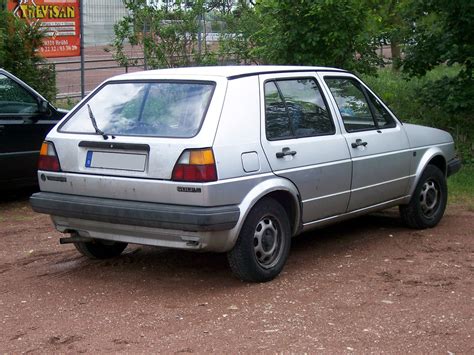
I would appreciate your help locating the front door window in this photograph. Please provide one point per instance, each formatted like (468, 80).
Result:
(360, 110)
(14, 99)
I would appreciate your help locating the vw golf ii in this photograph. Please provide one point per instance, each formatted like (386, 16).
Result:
(234, 159)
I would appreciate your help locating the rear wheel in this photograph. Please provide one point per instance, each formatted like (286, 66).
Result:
(263, 244)
(427, 205)
(100, 249)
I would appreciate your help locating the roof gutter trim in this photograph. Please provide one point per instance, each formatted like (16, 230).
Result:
(238, 76)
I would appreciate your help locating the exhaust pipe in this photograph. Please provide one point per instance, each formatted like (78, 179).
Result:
(75, 238)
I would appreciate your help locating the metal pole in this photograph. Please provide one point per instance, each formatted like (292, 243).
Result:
(199, 36)
(145, 61)
(81, 24)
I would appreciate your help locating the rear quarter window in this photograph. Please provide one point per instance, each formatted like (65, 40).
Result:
(157, 109)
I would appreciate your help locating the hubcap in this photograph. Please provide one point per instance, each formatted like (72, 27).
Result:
(429, 198)
(267, 242)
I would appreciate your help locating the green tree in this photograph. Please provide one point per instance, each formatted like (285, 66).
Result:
(168, 35)
(443, 33)
(19, 43)
(389, 25)
(237, 41)
(316, 32)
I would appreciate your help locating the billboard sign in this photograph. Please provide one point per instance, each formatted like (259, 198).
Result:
(59, 19)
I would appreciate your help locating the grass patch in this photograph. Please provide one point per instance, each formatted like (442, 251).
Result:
(461, 187)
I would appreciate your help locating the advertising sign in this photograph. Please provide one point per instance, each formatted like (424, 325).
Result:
(59, 19)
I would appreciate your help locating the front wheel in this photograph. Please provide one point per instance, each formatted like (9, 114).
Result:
(427, 205)
(263, 244)
(100, 249)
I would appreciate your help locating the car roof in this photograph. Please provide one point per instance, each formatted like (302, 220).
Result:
(229, 72)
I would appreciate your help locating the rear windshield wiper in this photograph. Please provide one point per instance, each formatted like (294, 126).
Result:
(94, 123)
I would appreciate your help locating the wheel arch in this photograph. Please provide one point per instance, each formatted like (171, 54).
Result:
(440, 162)
(292, 206)
(278, 188)
(433, 156)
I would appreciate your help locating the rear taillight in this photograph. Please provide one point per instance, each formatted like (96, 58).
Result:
(48, 159)
(195, 165)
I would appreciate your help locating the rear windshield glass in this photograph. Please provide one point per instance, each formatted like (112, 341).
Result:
(159, 109)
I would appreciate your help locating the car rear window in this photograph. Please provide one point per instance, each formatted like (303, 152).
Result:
(158, 109)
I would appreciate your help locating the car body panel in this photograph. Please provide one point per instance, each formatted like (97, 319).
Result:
(386, 151)
(22, 132)
(427, 143)
(321, 167)
(237, 148)
(161, 154)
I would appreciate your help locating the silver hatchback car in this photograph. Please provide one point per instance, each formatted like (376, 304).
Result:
(234, 159)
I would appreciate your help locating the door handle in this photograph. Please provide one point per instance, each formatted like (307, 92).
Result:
(284, 152)
(358, 143)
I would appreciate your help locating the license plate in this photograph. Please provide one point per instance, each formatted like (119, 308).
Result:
(116, 161)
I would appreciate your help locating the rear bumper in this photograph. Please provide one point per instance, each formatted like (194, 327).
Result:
(454, 165)
(132, 213)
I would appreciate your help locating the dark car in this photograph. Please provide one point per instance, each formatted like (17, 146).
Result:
(26, 117)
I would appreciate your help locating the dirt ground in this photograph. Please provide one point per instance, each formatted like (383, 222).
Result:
(367, 285)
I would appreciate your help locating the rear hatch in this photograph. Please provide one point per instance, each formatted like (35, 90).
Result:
(135, 131)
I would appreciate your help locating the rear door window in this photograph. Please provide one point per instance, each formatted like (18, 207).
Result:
(295, 108)
(158, 109)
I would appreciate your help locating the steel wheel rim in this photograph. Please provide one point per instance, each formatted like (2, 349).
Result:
(268, 242)
(430, 198)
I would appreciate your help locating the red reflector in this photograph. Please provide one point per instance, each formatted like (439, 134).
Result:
(195, 173)
(48, 163)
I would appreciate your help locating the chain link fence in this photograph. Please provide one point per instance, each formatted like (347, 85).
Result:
(99, 18)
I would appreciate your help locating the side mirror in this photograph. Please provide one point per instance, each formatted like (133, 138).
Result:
(43, 106)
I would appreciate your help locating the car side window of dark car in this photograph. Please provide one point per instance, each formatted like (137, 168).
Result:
(14, 99)
(295, 108)
(359, 109)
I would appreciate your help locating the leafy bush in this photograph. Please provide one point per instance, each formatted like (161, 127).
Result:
(19, 43)
(442, 35)
(424, 100)
(167, 34)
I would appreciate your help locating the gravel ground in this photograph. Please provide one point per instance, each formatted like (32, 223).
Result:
(367, 285)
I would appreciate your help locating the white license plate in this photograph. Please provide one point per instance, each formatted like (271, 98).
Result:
(116, 161)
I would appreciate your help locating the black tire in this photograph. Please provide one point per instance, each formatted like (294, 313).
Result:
(263, 244)
(100, 249)
(427, 205)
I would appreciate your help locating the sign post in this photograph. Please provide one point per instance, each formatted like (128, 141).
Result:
(82, 48)
(60, 20)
